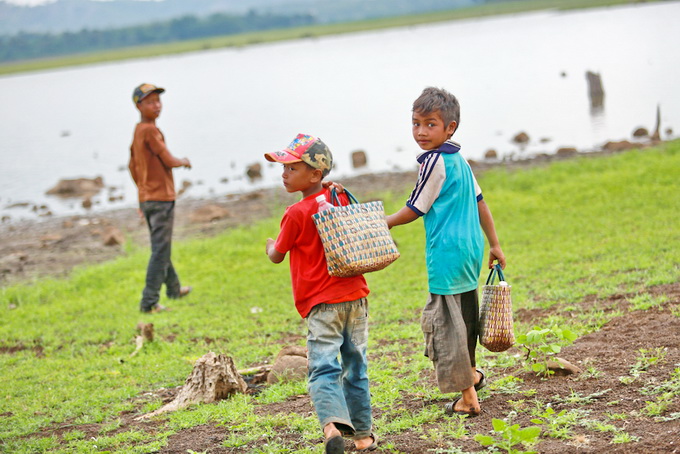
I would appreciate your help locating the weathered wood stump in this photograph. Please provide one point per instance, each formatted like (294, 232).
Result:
(595, 89)
(214, 377)
(656, 135)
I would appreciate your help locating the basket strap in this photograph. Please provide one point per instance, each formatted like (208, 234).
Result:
(496, 270)
(489, 280)
(336, 201)
(499, 270)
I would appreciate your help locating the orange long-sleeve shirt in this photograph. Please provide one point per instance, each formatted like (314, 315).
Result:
(151, 164)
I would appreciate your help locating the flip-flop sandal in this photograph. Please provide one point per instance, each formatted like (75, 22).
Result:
(373, 446)
(334, 445)
(482, 382)
(450, 409)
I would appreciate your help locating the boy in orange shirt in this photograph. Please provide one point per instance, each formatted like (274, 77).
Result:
(151, 167)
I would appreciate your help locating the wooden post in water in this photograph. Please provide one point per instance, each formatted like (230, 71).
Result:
(595, 90)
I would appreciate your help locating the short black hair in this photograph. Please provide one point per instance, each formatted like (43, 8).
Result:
(434, 99)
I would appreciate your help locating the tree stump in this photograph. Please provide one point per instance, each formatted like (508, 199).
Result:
(214, 377)
(656, 135)
(595, 89)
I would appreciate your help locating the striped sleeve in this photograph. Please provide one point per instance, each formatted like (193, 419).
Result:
(431, 177)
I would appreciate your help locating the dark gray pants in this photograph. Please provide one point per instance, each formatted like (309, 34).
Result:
(450, 324)
(160, 217)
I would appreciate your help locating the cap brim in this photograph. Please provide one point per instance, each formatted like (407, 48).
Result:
(281, 156)
(157, 90)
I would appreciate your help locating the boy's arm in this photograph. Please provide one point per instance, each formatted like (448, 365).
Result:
(274, 255)
(486, 221)
(403, 216)
(157, 145)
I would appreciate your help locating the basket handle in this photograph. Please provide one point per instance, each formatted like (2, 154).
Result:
(336, 201)
(495, 270)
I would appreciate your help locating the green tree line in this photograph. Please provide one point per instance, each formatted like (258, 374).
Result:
(25, 46)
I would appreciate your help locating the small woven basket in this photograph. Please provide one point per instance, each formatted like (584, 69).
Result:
(496, 331)
(355, 237)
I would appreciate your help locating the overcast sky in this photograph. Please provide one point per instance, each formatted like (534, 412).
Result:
(27, 2)
(37, 2)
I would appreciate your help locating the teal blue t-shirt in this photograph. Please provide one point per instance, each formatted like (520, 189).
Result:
(446, 196)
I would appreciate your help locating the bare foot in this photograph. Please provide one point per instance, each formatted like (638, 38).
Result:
(461, 406)
(364, 443)
(331, 431)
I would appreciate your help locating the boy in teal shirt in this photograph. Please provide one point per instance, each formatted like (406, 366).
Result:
(450, 201)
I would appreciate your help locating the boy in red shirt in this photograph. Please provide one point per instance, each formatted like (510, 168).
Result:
(335, 308)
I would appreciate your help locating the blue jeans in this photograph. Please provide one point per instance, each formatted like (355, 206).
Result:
(339, 390)
(160, 217)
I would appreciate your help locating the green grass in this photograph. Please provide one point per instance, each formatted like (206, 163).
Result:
(246, 39)
(594, 225)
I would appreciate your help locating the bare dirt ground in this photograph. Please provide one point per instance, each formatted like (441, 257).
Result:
(52, 248)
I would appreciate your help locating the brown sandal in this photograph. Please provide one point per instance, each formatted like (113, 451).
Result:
(334, 445)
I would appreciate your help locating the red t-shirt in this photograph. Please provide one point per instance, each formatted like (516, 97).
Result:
(311, 282)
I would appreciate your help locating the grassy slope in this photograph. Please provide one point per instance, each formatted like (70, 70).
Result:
(508, 7)
(591, 225)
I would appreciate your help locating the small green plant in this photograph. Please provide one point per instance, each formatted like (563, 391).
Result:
(658, 406)
(624, 437)
(617, 416)
(647, 358)
(542, 344)
(558, 425)
(575, 398)
(590, 371)
(627, 380)
(600, 426)
(671, 386)
(517, 405)
(671, 417)
(455, 430)
(509, 436)
(675, 310)
(449, 450)
(507, 385)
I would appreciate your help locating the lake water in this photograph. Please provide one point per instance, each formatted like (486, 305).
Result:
(224, 108)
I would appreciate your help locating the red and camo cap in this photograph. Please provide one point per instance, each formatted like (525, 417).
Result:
(307, 149)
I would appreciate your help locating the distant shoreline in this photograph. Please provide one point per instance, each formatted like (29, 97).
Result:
(363, 183)
(253, 38)
(53, 246)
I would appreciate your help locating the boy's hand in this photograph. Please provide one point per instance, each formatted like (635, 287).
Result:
(274, 255)
(495, 253)
(186, 163)
(330, 184)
